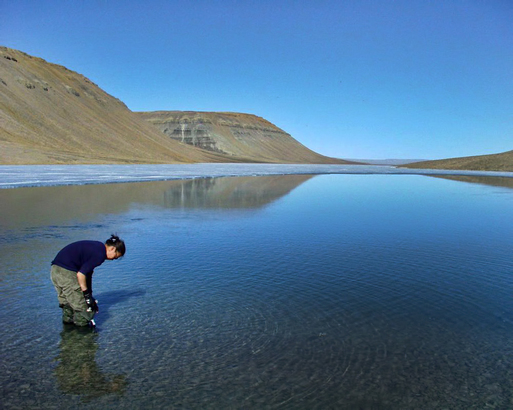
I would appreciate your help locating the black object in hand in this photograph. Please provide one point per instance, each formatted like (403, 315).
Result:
(92, 305)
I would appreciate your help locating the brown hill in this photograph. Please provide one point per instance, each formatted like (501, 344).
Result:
(49, 115)
(494, 162)
(234, 134)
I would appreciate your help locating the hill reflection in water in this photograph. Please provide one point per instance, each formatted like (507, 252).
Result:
(504, 182)
(40, 206)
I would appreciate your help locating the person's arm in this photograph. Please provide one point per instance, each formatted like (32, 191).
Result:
(89, 281)
(82, 281)
(88, 294)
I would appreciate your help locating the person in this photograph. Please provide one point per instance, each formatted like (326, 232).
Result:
(72, 275)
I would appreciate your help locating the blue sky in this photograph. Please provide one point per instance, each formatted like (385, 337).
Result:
(351, 79)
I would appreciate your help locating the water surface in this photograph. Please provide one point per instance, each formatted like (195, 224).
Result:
(314, 292)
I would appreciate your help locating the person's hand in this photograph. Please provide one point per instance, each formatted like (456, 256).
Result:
(92, 304)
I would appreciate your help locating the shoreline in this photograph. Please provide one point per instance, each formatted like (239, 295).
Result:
(21, 176)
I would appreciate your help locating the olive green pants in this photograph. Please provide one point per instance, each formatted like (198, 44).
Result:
(70, 296)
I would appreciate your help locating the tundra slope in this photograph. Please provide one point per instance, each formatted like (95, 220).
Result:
(494, 162)
(52, 115)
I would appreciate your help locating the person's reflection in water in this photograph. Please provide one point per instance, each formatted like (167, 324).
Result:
(77, 371)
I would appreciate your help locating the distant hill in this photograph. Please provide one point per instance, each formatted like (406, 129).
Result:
(52, 115)
(390, 161)
(493, 162)
(234, 134)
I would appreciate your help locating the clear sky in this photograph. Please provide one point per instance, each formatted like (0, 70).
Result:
(369, 79)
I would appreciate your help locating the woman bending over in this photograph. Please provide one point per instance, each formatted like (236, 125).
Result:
(72, 275)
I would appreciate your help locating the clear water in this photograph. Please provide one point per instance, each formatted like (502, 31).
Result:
(291, 291)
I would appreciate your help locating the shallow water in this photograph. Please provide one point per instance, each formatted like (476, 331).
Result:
(300, 291)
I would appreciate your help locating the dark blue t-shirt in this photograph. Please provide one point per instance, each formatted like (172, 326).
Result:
(81, 256)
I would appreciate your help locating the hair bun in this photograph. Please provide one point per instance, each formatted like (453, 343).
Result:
(116, 241)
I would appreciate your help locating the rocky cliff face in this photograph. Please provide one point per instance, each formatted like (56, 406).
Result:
(234, 134)
(213, 131)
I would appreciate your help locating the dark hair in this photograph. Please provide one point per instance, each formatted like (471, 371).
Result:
(118, 243)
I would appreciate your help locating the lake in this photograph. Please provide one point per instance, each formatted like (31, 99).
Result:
(276, 292)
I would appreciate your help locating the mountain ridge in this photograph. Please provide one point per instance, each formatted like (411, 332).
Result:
(50, 114)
